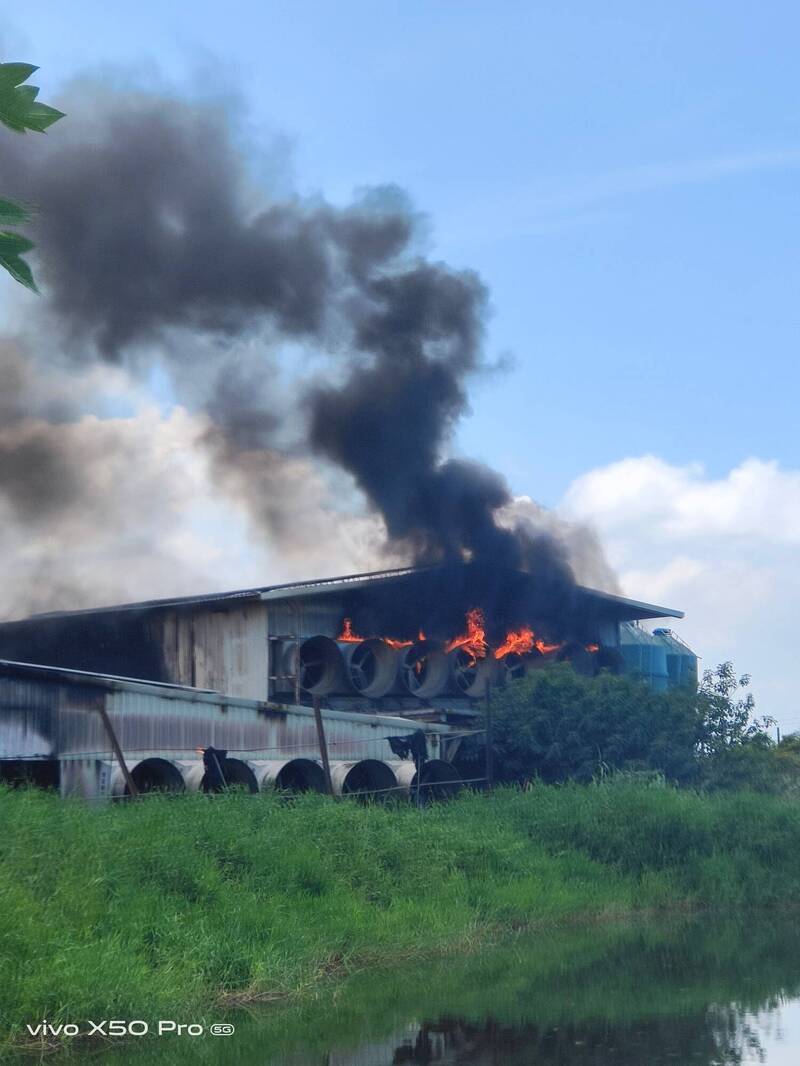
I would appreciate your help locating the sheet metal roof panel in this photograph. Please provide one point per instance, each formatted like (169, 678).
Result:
(630, 610)
(179, 693)
(333, 584)
(290, 589)
(620, 606)
(9, 667)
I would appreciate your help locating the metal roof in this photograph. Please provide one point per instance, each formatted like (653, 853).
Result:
(165, 690)
(262, 592)
(628, 609)
(9, 667)
(620, 606)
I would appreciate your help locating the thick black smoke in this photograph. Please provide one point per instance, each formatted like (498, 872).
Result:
(151, 237)
(152, 241)
(148, 226)
(390, 420)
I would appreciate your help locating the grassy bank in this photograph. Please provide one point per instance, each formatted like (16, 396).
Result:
(171, 904)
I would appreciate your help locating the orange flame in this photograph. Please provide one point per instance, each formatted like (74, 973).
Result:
(593, 647)
(545, 648)
(347, 635)
(519, 641)
(522, 641)
(473, 641)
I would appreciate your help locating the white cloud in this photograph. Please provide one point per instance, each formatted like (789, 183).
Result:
(725, 550)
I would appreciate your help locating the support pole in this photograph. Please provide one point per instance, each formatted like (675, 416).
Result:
(112, 736)
(323, 746)
(489, 740)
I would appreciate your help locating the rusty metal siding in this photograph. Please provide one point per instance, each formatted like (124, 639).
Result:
(220, 649)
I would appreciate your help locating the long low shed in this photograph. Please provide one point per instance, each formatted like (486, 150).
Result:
(250, 642)
(53, 727)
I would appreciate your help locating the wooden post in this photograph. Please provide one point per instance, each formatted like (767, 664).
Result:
(112, 736)
(489, 739)
(323, 747)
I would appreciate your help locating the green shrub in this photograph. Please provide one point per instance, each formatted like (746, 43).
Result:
(558, 726)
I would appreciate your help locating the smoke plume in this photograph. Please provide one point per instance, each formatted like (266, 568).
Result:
(155, 249)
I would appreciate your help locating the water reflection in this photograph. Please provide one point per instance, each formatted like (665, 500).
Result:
(699, 991)
(456, 1041)
(704, 992)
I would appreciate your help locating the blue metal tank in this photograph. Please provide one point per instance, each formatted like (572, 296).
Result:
(681, 660)
(645, 656)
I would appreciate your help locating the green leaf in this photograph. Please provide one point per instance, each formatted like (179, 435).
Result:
(12, 247)
(12, 214)
(28, 92)
(10, 113)
(19, 110)
(13, 74)
(40, 116)
(15, 243)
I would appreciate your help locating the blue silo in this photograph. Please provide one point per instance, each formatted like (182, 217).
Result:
(681, 660)
(645, 656)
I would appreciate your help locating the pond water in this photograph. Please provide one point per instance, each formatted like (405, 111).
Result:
(700, 991)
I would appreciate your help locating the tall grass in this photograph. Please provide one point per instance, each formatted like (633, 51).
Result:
(175, 903)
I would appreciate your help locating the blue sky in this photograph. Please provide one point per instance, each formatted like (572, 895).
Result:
(625, 178)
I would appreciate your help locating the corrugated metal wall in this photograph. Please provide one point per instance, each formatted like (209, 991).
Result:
(59, 718)
(28, 718)
(220, 649)
(305, 617)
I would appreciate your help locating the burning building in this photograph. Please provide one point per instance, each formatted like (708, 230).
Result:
(379, 653)
(197, 274)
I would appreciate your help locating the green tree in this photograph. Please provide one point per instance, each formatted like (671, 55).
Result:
(557, 725)
(728, 710)
(21, 112)
(735, 749)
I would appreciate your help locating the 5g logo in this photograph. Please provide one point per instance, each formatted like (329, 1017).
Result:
(222, 1029)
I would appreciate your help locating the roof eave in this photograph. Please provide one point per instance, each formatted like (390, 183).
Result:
(632, 609)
